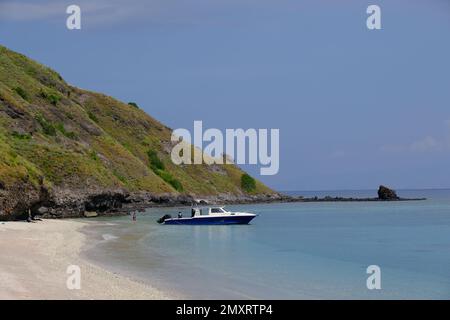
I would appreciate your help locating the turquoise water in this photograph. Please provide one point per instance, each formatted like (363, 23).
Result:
(290, 251)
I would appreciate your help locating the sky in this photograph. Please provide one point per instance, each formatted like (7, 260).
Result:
(355, 107)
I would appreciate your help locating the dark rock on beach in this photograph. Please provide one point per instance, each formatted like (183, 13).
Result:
(75, 203)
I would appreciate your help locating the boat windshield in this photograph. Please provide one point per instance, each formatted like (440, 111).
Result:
(217, 210)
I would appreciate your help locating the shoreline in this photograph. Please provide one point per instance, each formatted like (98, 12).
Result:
(87, 203)
(35, 258)
(125, 208)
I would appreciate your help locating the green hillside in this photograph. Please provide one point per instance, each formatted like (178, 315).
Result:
(58, 137)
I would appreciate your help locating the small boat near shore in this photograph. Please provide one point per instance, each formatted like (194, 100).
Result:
(209, 216)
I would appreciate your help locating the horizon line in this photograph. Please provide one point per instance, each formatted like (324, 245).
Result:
(402, 189)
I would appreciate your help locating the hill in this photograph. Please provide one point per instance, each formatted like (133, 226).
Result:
(64, 151)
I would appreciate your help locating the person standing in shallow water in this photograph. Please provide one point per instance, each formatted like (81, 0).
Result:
(134, 216)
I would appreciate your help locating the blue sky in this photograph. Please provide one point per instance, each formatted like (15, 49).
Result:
(355, 108)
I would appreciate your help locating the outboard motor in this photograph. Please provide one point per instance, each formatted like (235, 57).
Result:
(164, 217)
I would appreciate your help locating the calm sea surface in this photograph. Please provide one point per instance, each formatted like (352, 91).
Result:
(290, 251)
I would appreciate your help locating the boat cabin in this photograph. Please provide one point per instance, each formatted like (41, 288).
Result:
(213, 211)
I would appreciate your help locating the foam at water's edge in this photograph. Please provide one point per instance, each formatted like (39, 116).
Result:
(108, 237)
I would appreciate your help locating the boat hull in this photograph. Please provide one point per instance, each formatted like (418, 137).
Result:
(210, 220)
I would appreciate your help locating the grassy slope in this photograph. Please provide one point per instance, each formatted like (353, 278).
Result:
(77, 139)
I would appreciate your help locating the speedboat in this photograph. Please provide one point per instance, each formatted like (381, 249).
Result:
(210, 216)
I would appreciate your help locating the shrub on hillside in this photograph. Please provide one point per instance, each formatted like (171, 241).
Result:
(158, 167)
(155, 162)
(92, 116)
(21, 92)
(47, 127)
(21, 136)
(248, 183)
(51, 97)
(68, 134)
(133, 104)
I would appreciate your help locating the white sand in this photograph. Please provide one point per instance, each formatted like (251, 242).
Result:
(34, 258)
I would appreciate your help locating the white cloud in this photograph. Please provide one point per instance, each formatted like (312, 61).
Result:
(422, 145)
(426, 144)
(24, 11)
(52, 9)
(392, 148)
(103, 11)
(337, 154)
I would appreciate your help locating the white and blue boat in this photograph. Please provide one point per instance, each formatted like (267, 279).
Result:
(209, 216)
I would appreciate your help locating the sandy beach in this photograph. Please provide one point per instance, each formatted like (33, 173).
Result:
(34, 258)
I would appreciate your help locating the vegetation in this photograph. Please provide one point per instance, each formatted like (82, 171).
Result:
(92, 116)
(47, 127)
(21, 93)
(68, 134)
(158, 167)
(248, 183)
(50, 96)
(133, 104)
(93, 155)
(21, 136)
(155, 162)
(167, 177)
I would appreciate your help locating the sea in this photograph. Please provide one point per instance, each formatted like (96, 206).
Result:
(317, 250)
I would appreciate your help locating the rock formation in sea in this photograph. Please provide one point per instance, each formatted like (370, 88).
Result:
(384, 193)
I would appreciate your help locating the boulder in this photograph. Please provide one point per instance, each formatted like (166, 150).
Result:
(384, 193)
(42, 210)
(90, 214)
